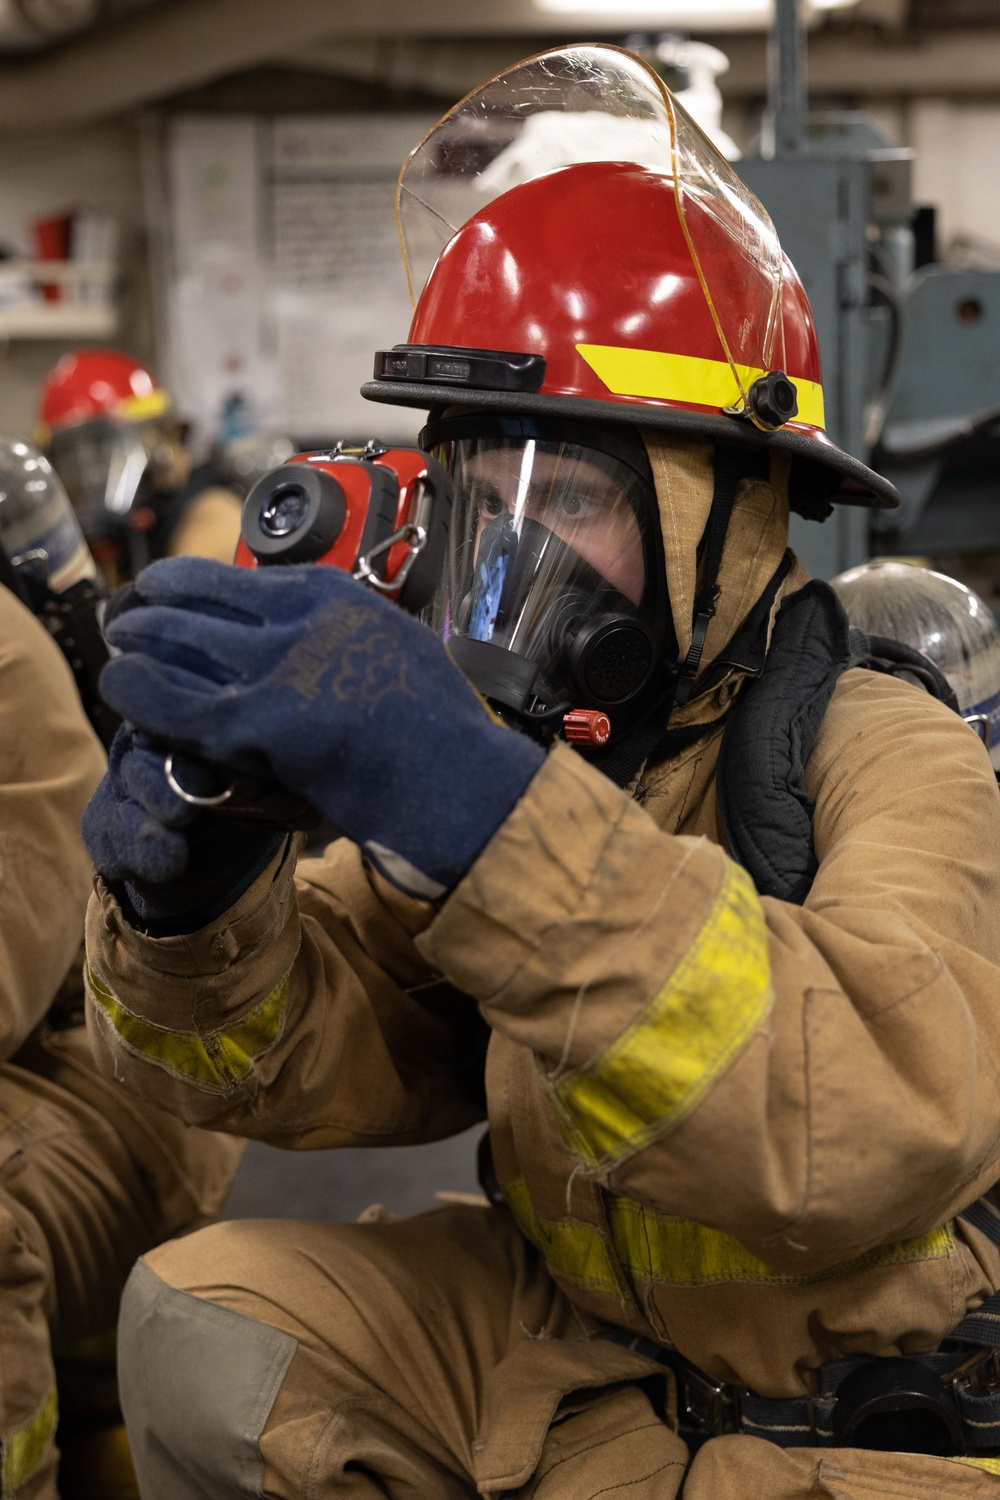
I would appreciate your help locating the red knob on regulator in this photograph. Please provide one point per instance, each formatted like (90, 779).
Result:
(586, 726)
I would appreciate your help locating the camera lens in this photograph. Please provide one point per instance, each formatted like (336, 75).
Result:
(294, 514)
(284, 511)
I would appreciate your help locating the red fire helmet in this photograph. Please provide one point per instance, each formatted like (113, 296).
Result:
(584, 251)
(99, 382)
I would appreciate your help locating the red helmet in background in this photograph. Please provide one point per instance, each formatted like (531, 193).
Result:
(606, 265)
(99, 383)
(101, 425)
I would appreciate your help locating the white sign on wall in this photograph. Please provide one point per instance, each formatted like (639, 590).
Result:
(957, 145)
(286, 269)
(218, 282)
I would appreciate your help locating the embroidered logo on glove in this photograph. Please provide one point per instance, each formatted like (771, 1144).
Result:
(350, 649)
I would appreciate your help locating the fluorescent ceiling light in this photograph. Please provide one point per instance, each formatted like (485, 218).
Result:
(688, 15)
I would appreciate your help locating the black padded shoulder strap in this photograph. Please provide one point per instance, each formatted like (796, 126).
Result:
(766, 811)
(882, 654)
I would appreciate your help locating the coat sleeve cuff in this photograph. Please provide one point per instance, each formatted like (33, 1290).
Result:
(260, 933)
(530, 879)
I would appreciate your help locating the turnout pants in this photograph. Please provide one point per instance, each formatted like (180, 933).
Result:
(83, 1191)
(425, 1359)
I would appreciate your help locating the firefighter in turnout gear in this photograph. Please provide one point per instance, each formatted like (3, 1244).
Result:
(724, 986)
(107, 426)
(89, 1178)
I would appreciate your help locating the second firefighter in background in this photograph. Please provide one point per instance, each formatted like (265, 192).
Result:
(108, 428)
(89, 1177)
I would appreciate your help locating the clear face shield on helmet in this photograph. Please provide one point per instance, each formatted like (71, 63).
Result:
(597, 103)
(39, 531)
(943, 620)
(102, 463)
(553, 595)
(46, 563)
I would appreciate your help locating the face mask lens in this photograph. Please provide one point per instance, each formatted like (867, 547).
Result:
(548, 561)
(102, 464)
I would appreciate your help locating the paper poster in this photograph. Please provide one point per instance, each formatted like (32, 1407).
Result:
(286, 269)
(218, 293)
(340, 288)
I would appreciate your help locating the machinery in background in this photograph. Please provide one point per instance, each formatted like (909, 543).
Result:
(691, 71)
(911, 351)
(841, 202)
(940, 442)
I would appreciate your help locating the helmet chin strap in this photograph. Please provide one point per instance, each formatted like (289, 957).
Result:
(731, 465)
(629, 754)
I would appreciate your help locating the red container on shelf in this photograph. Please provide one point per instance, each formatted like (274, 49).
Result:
(52, 242)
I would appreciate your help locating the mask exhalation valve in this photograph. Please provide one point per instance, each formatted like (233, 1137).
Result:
(611, 659)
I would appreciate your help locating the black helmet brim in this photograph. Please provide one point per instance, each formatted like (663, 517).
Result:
(856, 484)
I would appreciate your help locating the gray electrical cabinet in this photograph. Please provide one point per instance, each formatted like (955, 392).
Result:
(832, 214)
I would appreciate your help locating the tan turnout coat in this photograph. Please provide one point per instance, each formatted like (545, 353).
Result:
(732, 1124)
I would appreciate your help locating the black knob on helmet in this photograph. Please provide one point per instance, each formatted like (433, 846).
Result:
(772, 400)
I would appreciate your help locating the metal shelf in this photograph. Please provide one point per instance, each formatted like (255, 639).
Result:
(86, 309)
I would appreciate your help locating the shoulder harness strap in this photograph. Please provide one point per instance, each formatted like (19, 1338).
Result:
(766, 811)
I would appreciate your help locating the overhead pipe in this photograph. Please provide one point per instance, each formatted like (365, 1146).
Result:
(786, 83)
(29, 24)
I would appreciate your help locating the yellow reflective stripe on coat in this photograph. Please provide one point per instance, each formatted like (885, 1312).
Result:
(671, 1054)
(217, 1060)
(678, 1252)
(573, 1250)
(671, 1251)
(989, 1465)
(25, 1449)
(684, 377)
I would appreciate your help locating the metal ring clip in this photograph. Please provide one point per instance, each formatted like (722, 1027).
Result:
(415, 536)
(189, 797)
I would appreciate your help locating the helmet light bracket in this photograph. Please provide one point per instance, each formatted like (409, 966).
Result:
(441, 364)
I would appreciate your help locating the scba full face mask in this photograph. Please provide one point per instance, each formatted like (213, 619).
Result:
(553, 596)
(104, 464)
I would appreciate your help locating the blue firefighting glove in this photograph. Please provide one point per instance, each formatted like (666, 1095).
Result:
(173, 868)
(303, 674)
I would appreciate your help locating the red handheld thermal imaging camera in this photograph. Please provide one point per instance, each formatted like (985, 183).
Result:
(378, 513)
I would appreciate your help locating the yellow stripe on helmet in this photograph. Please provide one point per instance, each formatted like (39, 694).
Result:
(144, 408)
(658, 376)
